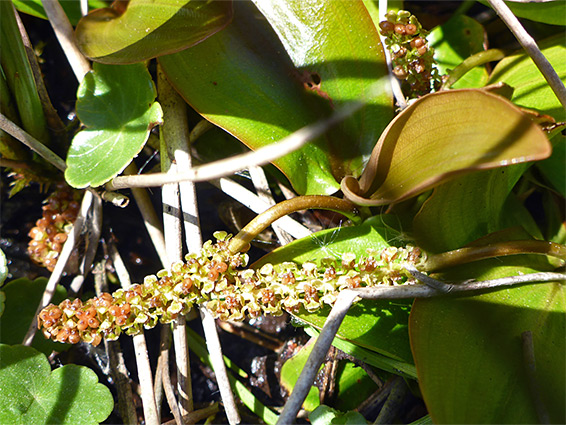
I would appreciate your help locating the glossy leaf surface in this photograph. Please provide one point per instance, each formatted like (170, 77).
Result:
(244, 80)
(22, 298)
(378, 325)
(548, 12)
(469, 353)
(531, 89)
(443, 135)
(144, 29)
(116, 104)
(454, 41)
(33, 394)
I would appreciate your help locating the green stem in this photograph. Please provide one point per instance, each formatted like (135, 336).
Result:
(470, 63)
(241, 241)
(436, 262)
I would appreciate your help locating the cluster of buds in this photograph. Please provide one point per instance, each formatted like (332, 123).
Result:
(218, 279)
(51, 231)
(413, 60)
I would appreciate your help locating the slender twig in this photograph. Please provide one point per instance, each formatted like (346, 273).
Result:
(198, 415)
(345, 300)
(163, 366)
(474, 253)
(236, 163)
(532, 49)
(261, 222)
(393, 403)
(261, 185)
(172, 135)
(199, 129)
(31, 142)
(217, 361)
(14, 163)
(257, 205)
(531, 371)
(66, 37)
(62, 260)
(150, 218)
(140, 350)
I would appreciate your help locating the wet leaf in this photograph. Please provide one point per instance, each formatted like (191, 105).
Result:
(144, 29)
(116, 104)
(379, 325)
(244, 80)
(22, 298)
(441, 136)
(32, 394)
(454, 41)
(469, 355)
(531, 89)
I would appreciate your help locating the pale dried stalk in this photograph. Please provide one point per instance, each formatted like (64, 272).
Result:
(140, 349)
(532, 49)
(62, 260)
(66, 37)
(236, 163)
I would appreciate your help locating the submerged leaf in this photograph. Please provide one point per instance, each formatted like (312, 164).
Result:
(145, 29)
(116, 104)
(443, 135)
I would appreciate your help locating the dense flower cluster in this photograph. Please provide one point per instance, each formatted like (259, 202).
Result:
(413, 60)
(51, 231)
(218, 278)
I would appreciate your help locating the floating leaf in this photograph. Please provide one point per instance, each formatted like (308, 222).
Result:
(531, 89)
(244, 80)
(379, 325)
(469, 356)
(454, 41)
(116, 104)
(22, 298)
(443, 135)
(32, 394)
(145, 29)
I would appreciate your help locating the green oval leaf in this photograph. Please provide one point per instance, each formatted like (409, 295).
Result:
(469, 357)
(531, 89)
(72, 8)
(32, 394)
(145, 29)
(379, 325)
(116, 104)
(244, 80)
(443, 135)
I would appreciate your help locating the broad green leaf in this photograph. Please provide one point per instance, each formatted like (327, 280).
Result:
(291, 370)
(553, 168)
(531, 89)
(465, 209)
(454, 41)
(22, 298)
(324, 415)
(116, 104)
(32, 394)
(469, 356)
(144, 29)
(549, 12)
(443, 135)
(354, 386)
(378, 325)
(72, 8)
(244, 80)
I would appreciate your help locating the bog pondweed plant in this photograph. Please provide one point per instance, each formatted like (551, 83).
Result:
(218, 278)
(412, 58)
